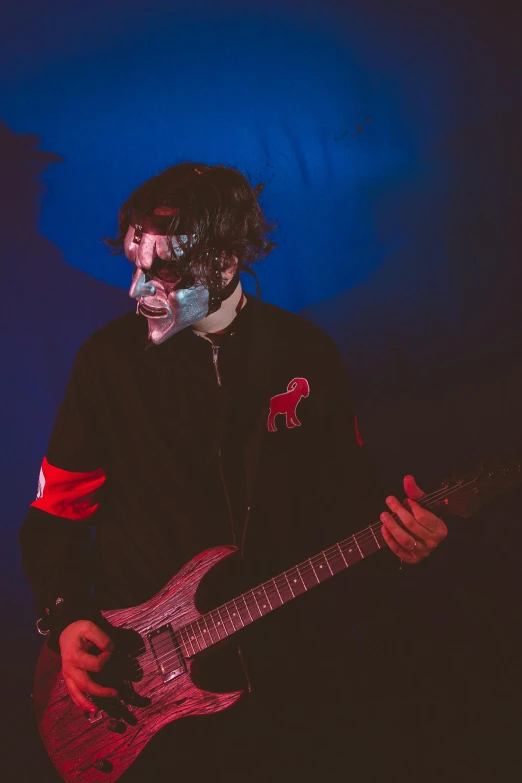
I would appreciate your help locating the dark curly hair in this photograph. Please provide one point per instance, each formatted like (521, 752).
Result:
(217, 217)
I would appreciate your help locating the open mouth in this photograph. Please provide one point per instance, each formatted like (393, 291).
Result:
(153, 312)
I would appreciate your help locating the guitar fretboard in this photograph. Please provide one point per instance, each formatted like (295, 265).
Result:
(234, 615)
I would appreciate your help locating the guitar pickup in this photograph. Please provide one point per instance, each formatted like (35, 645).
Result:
(167, 652)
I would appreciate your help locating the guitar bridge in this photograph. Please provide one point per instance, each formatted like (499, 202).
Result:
(167, 652)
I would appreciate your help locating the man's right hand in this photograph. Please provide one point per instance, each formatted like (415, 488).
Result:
(75, 642)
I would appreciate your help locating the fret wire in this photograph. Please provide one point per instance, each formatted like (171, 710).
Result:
(182, 632)
(230, 617)
(253, 592)
(293, 575)
(277, 589)
(206, 617)
(200, 620)
(219, 623)
(186, 630)
(375, 537)
(223, 623)
(250, 594)
(296, 578)
(358, 547)
(214, 624)
(312, 570)
(342, 555)
(301, 578)
(238, 612)
(266, 596)
(195, 635)
(243, 596)
(340, 544)
(327, 563)
(205, 636)
(349, 543)
(288, 583)
(331, 551)
(228, 607)
(310, 560)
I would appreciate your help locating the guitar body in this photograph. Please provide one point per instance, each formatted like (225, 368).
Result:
(88, 750)
(156, 642)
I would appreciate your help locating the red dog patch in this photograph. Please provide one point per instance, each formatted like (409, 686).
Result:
(287, 403)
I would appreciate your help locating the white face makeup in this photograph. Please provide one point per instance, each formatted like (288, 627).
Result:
(166, 309)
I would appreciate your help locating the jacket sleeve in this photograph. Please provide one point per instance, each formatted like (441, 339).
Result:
(55, 535)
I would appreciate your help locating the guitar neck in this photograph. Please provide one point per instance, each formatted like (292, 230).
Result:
(234, 615)
(227, 619)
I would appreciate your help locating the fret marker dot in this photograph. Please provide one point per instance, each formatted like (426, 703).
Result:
(349, 550)
(218, 622)
(320, 566)
(264, 606)
(233, 614)
(295, 581)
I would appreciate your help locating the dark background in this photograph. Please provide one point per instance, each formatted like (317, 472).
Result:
(388, 136)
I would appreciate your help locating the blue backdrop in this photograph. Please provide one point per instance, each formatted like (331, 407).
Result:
(388, 139)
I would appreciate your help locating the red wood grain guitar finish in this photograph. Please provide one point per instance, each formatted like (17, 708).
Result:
(76, 745)
(156, 684)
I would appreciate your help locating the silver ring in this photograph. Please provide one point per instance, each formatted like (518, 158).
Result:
(42, 633)
(413, 547)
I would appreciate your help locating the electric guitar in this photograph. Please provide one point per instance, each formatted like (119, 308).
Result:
(156, 644)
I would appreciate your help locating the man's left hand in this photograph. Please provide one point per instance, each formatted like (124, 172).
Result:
(422, 531)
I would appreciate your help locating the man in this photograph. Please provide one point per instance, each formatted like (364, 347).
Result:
(210, 418)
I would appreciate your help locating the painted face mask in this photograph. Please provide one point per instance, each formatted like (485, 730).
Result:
(161, 297)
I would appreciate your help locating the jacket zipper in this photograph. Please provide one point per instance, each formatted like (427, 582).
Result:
(215, 354)
(215, 360)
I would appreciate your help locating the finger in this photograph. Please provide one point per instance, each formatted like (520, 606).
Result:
(406, 518)
(92, 633)
(411, 488)
(79, 698)
(430, 522)
(89, 662)
(401, 537)
(84, 682)
(397, 549)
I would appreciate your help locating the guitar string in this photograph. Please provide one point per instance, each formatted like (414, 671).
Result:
(187, 642)
(301, 570)
(363, 537)
(368, 534)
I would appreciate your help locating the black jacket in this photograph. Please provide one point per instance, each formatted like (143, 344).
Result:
(187, 463)
(152, 461)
